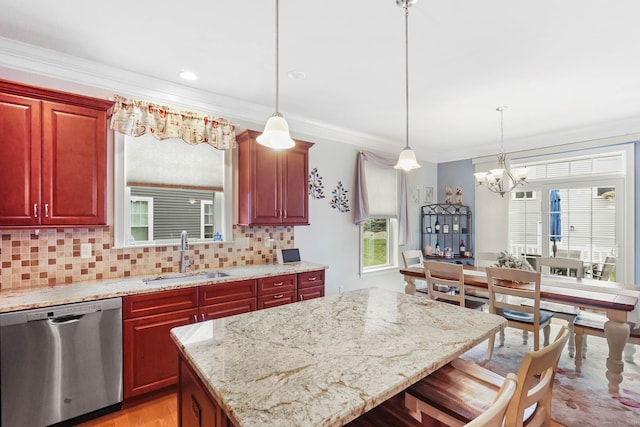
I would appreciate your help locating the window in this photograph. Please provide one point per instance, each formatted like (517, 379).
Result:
(141, 219)
(179, 179)
(206, 219)
(378, 233)
(570, 209)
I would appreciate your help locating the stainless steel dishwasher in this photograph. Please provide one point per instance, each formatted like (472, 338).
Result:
(60, 362)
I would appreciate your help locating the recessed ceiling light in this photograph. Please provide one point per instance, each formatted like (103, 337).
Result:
(296, 75)
(188, 75)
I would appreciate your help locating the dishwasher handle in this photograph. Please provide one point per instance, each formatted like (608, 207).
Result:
(63, 320)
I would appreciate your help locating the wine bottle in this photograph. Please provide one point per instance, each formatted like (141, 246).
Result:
(436, 226)
(437, 247)
(462, 248)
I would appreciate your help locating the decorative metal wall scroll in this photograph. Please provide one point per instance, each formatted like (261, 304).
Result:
(339, 199)
(316, 187)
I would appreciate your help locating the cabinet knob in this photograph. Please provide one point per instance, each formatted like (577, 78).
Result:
(35, 210)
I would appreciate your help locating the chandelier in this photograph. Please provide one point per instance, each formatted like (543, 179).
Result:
(502, 180)
(407, 159)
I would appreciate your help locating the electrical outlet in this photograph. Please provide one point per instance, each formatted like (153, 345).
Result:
(85, 250)
(268, 242)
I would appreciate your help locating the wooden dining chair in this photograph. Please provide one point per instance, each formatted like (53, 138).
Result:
(560, 266)
(445, 282)
(412, 258)
(509, 290)
(461, 391)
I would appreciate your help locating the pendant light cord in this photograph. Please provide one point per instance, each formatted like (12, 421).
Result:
(277, 55)
(406, 66)
(501, 109)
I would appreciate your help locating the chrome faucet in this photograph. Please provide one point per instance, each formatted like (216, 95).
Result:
(184, 245)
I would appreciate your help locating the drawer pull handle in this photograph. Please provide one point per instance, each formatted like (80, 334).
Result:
(301, 297)
(46, 210)
(35, 210)
(203, 317)
(195, 319)
(278, 296)
(313, 278)
(278, 284)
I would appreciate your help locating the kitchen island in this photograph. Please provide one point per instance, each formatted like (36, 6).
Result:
(321, 362)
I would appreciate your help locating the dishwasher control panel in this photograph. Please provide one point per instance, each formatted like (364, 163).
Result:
(64, 312)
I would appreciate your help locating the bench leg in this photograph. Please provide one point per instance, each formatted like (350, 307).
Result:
(629, 351)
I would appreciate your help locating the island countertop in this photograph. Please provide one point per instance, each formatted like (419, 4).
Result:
(46, 296)
(325, 361)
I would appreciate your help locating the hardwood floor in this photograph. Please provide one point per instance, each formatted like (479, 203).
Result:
(161, 412)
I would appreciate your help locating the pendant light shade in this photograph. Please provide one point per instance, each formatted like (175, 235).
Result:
(407, 160)
(276, 131)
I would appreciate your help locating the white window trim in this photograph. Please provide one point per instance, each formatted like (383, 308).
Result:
(149, 201)
(392, 247)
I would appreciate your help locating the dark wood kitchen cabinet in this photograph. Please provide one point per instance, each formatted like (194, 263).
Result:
(277, 290)
(227, 299)
(53, 155)
(150, 357)
(195, 407)
(273, 185)
(310, 285)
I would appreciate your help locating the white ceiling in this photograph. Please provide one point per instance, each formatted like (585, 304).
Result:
(569, 70)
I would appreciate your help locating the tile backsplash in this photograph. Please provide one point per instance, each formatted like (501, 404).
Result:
(53, 256)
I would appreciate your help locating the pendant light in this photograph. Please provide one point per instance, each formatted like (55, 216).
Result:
(407, 159)
(276, 131)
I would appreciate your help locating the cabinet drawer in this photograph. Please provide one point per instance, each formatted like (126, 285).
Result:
(159, 302)
(310, 278)
(310, 293)
(277, 284)
(215, 294)
(274, 300)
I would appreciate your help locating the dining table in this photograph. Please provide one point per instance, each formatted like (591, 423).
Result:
(618, 300)
(320, 362)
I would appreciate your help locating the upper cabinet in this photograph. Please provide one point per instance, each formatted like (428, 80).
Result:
(272, 185)
(53, 154)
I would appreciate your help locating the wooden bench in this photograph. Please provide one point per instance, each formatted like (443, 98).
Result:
(590, 323)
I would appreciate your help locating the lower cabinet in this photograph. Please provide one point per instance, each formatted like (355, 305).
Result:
(227, 299)
(150, 357)
(277, 290)
(195, 407)
(310, 285)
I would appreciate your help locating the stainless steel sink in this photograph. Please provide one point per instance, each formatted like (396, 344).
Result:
(192, 277)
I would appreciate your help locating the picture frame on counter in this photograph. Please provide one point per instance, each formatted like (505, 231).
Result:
(445, 228)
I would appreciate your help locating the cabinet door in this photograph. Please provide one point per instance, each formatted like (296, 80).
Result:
(310, 293)
(73, 164)
(295, 190)
(267, 192)
(195, 407)
(19, 160)
(150, 357)
(229, 308)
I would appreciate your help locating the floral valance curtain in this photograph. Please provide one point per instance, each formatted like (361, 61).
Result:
(136, 118)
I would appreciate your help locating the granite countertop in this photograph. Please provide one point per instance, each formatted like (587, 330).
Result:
(325, 361)
(22, 299)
